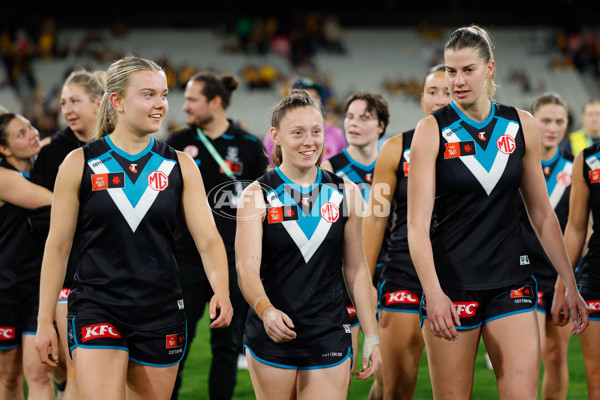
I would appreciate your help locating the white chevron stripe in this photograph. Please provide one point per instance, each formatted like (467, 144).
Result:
(488, 180)
(559, 189)
(133, 215)
(307, 246)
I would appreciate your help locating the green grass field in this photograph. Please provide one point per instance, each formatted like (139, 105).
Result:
(195, 381)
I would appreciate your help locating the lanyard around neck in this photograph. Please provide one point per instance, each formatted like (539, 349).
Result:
(215, 154)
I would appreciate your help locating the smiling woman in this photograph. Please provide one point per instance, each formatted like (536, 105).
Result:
(298, 246)
(20, 260)
(125, 191)
(469, 161)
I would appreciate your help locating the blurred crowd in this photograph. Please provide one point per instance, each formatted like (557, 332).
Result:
(296, 39)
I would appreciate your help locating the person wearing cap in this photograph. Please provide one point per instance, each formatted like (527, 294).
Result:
(335, 141)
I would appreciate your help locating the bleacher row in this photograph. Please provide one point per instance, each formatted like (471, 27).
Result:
(372, 56)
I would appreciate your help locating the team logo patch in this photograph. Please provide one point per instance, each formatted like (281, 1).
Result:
(506, 144)
(351, 311)
(593, 306)
(522, 292)
(524, 260)
(108, 181)
(595, 176)
(158, 180)
(401, 296)
(7, 333)
(282, 213)
(466, 309)
(234, 166)
(460, 149)
(330, 212)
(98, 331)
(174, 341)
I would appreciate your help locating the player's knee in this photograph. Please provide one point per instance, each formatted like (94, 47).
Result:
(10, 381)
(37, 375)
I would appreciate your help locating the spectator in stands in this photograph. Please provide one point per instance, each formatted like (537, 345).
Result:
(590, 131)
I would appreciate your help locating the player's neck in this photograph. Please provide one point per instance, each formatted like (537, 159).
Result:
(216, 128)
(548, 153)
(364, 155)
(84, 136)
(23, 165)
(478, 111)
(592, 133)
(304, 177)
(129, 142)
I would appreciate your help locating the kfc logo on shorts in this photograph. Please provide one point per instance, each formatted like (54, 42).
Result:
(595, 176)
(506, 144)
(99, 331)
(406, 166)
(593, 306)
(64, 294)
(540, 298)
(466, 310)
(7, 333)
(351, 311)
(158, 180)
(330, 212)
(175, 341)
(401, 296)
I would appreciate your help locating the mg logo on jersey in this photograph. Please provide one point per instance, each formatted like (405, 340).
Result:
(401, 296)
(466, 310)
(506, 144)
(593, 305)
(99, 331)
(7, 333)
(158, 180)
(330, 212)
(564, 178)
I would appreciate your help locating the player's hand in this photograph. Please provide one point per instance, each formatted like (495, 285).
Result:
(578, 309)
(220, 311)
(278, 325)
(370, 354)
(560, 311)
(46, 344)
(442, 316)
